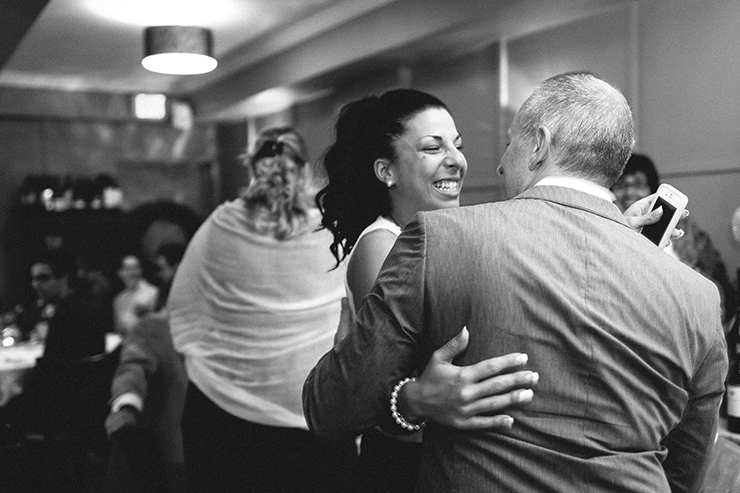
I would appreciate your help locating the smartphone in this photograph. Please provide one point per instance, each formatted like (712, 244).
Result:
(673, 203)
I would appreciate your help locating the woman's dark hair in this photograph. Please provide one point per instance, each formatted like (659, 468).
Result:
(172, 252)
(364, 131)
(156, 216)
(640, 162)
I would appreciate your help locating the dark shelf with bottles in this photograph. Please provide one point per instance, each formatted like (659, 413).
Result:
(96, 231)
(53, 193)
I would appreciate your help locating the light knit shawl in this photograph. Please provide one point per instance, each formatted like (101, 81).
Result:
(253, 314)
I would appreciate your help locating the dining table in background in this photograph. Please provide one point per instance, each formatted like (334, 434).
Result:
(17, 361)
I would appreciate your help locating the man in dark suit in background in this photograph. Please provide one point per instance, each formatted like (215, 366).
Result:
(628, 342)
(63, 396)
(75, 326)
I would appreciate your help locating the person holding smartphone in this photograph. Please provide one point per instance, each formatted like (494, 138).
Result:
(688, 242)
(411, 160)
(627, 342)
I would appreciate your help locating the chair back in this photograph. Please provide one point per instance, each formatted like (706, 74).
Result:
(76, 393)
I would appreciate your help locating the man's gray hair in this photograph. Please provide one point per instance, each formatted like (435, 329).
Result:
(591, 125)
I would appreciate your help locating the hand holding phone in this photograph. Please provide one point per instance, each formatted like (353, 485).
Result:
(673, 203)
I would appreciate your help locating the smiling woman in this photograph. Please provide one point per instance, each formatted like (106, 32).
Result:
(394, 155)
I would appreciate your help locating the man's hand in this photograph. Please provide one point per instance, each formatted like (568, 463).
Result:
(639, 214)
(465, 396)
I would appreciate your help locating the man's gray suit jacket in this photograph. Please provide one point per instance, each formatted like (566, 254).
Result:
(628, 343)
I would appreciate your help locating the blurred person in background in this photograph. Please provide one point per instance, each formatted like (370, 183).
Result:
(75, 326)
(71, 329)
(696, 250)
(638, 180)
(167, 258)
(147, 397)
(253, 305)
(138, 297)
(693, 246)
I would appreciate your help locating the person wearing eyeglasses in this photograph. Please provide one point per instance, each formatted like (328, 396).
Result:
(638, 180)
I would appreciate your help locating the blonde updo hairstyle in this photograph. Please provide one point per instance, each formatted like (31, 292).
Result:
(280, 191)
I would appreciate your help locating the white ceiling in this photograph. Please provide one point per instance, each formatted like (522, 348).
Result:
(305, 47)
(97, 44)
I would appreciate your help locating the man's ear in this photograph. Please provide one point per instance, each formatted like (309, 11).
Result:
(384, 171)
(542, 139)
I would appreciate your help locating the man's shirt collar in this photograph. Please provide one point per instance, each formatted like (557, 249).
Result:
(577, 184)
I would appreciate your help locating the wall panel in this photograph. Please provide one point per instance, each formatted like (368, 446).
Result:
(469, 86)
(690, 106)
(601, 44)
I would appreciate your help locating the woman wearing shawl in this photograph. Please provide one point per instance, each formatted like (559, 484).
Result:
(254, 304)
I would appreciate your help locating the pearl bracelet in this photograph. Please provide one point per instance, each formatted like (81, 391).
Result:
(394, 407)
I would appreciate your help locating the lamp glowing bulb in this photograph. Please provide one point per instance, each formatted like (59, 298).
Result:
(180, 50)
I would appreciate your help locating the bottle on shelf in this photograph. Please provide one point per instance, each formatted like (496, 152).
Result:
(64, 194)
(111, 193)
(49, 187)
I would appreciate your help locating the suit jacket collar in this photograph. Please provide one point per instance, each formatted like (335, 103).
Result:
(570, 197)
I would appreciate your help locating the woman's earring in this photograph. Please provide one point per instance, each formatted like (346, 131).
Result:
(389, 183)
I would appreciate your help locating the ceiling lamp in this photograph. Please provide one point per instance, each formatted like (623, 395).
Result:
(182, 50)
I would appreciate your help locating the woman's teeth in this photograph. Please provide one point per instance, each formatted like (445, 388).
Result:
(446, 185)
